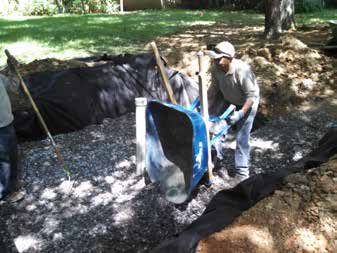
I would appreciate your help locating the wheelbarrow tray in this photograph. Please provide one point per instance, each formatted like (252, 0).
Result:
(176, 148)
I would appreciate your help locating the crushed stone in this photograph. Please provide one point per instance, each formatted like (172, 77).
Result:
(106, 207)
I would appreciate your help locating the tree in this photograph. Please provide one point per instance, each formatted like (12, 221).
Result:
(63, 5)
(279, 17)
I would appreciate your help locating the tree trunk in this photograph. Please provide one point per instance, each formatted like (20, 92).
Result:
(83, 6)
(60, 6)
(279, 17)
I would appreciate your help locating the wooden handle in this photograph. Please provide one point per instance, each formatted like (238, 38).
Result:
(204, 112)
(163, 75)
(11, 61)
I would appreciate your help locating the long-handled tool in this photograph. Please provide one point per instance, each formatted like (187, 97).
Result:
(11, 62)
(204, 112)
(164, 77)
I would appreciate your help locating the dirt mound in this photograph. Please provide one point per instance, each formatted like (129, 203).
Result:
(16, 95)
(48, 64)
(291, 72)
(301, 217)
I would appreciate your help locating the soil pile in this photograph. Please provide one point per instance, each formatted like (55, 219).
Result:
(290, 73)
(301, 217)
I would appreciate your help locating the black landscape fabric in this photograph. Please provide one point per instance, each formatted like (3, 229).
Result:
(74, 98)
(228, 204)
(327, 147)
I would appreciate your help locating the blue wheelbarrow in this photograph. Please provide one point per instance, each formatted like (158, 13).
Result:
(176, 146)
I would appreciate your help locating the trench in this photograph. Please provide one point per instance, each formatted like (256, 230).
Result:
(236, 200)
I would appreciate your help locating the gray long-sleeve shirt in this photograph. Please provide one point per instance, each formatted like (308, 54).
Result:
(6, 116)
(237, 85)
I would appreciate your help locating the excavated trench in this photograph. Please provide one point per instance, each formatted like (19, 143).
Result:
(107, 207)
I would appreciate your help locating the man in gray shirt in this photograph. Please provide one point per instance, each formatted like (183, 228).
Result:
(236, 82)
(8, 144)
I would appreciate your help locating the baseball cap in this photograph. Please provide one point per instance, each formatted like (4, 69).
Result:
(223, 49)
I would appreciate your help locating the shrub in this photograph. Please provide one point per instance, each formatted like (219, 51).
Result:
(39, 8)
(51, 7)
(27, 7)
(93, 6)
(306, 6)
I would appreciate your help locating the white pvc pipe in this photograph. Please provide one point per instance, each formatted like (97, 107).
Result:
(140, 134)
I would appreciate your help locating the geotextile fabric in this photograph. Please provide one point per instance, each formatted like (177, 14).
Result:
(74, 98)
(327, 147)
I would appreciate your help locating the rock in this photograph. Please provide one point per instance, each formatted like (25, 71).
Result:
(261, 61)
(264, 52)
(332, 202)
(327, 184)
(296, 179)
(246, 58)
(308, 84)
(293, 200)
(292, 42)
(287, 56)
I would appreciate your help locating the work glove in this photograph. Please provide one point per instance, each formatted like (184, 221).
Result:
(235, 117)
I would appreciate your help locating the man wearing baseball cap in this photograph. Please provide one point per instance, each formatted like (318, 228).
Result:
(235, 81)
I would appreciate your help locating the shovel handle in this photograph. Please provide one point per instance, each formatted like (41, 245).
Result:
(11, 62)
(204, 112)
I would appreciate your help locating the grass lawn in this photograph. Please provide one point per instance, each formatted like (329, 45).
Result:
(70, 36)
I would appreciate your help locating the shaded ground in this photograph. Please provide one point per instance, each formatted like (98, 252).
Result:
(107, 208)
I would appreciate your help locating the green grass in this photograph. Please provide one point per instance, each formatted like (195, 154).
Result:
(316, 17)
(70, 36)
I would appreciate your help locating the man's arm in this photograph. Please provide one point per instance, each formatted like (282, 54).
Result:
(251, 89)
(247, 105)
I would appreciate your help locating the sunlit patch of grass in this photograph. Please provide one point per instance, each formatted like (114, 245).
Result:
(70, 36)
(28, 50)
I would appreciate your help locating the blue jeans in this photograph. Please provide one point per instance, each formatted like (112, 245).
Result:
(242, 151)
(8, 159)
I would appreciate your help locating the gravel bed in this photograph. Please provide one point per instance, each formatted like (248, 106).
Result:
(106, 207)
